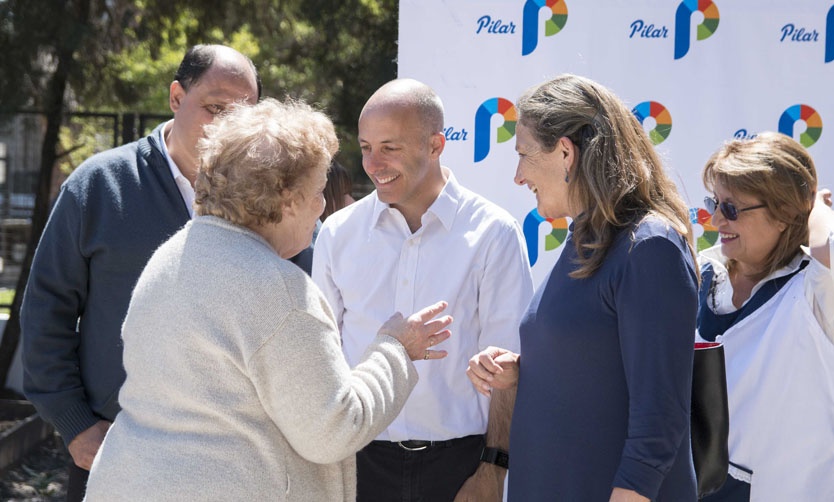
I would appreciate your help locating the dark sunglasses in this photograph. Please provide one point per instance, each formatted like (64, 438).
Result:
(727, 208)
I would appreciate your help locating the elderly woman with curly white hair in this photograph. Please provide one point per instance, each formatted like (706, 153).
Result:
(236, 386)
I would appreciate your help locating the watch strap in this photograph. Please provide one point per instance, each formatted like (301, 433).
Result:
(495, 456)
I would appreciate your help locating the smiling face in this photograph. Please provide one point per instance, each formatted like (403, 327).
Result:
(751, 238)
(401, 157)
(544, 172)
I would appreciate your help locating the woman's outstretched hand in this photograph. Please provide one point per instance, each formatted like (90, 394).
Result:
(420, 331)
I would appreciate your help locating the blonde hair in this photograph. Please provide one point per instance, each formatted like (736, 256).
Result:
(256, 159)
(779, 172)
(618, 179)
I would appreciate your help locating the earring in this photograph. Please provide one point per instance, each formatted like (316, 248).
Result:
(567, 178)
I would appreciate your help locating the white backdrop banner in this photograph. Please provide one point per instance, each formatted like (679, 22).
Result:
(696, 73)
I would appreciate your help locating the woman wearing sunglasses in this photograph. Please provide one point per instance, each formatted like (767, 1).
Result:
(770, 299)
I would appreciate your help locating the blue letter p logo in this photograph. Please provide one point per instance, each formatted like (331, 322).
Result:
(483, 117)
(683, 18)
(530, 22)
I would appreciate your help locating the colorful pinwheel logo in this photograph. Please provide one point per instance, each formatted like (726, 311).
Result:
(557, 235)
(662, 117)
(812, 119)
(702, 220)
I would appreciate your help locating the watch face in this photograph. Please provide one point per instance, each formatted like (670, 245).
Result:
(503, 460)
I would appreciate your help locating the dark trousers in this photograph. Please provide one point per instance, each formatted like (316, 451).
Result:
(388, 472)
(76, 483)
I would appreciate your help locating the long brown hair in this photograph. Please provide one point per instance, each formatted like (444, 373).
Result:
(618, 179)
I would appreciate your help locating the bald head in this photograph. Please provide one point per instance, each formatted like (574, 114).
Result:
(411, 96)
(200, 58)
(210, 79)
(401, 137)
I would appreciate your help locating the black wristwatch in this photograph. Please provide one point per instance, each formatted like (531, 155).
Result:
(496, 456)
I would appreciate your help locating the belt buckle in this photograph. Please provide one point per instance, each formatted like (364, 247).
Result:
(408, 448)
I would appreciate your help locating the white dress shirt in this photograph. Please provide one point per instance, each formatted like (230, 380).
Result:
(469, 252)
(184, 186)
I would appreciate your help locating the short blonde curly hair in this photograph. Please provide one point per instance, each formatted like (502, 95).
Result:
(254, 160)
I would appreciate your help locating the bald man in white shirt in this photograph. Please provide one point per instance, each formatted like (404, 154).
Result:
(419, 238)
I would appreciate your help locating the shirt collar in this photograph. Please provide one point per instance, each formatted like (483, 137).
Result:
(175, 171)
(719, 264)
(444, 207)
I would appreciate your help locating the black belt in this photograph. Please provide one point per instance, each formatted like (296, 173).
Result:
(420, 444)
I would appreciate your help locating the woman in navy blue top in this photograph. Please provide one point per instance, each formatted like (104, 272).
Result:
(603, 380)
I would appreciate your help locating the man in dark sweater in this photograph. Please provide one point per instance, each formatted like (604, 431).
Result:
(110, 216)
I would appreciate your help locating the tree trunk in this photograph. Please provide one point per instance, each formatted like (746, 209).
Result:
(54, 117)
(68, 43)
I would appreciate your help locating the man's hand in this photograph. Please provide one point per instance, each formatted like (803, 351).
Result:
(486, 485)
(83, 447)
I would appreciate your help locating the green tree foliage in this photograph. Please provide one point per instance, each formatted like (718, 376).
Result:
(120, 55)
(333, 54)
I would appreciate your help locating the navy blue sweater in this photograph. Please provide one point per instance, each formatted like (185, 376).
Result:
(605, 375)
(110, 216)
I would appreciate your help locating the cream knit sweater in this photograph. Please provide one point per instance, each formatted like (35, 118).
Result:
(236, 386)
